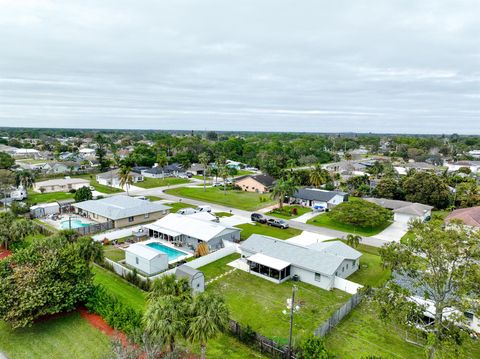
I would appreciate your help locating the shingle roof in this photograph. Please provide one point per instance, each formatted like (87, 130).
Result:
(326, 259)
(397, 206)
(117, 207)
(416, 209)
(313, 194)
(174, 167)
(469, 216)
(114, 174)
(266, 180)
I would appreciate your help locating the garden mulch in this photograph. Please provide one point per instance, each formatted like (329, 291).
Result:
(4, 253)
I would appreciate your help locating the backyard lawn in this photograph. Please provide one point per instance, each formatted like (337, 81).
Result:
(263, 305)
(114, 253)
(34, 197)
(69, 336)
(218, 267)
(286, 212)
(257, 228)
(323, 220)
(160, 182)
(248, 201)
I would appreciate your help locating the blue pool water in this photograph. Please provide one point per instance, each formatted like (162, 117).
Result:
(172, 253)
(75, 223)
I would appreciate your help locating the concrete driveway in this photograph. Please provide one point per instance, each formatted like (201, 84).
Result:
(394, 232)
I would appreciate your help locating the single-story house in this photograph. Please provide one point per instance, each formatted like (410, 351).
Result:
(314, 197)
(197, 169)
(474, 166)
(195, 277)
(173, 170)
(146, 259)
(404, 211)
(61, 185)
(122, 210)
(61, 167)
(277, 260)
(191, 231)
(112, 179)
(255, 183)
(469, 216)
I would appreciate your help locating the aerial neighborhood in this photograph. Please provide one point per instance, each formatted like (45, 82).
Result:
(283, 244)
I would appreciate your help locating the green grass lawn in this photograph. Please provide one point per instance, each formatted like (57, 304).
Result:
(370, 272)
(223, 214)
(113, 253)
(160, 182)
(216, 268)
(34, 197)
(286, 212)
(69, 336)
(362, 333)
(153, 198)
(260, 303)
(99, 187)
(119, 287)
(176, 206)
(323, 220)
(257, 228)
(129, 294)
(248, 201)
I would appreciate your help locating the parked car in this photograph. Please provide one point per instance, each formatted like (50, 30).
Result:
(280, 223)
(217, 184)
(204, 209)
(257, 217)
(187, 211)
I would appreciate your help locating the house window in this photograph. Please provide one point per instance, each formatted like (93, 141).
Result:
(318, 277)
(136, 260)
(131, 219)
(347, 265)
(343, 269)
(147, 215)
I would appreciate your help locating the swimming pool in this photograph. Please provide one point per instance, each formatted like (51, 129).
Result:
(73, 223)
(172, 253)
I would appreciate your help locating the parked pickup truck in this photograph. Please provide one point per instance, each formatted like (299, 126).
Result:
(280, 223)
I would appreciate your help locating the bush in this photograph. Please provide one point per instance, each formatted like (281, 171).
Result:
(361, 213)
(117, 314)
(72, 191)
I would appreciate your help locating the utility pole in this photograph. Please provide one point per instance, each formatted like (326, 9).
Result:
(294, 289)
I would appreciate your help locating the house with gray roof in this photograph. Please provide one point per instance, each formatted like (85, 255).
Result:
(315, 197)
(122, 210)
(277, 260)
(404, 211)
(112, 178)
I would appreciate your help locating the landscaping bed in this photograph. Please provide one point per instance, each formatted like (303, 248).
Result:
(248, 201)
(257, 228)
(289, 212)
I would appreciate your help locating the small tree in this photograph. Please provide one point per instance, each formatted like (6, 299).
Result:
(353, 240)
(126, 179)
(281, 189)
(83, 194)
(314, 348)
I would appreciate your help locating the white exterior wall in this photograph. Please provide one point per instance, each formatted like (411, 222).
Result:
(346, 285)
(336, 200)
(306, 276)
(349, 267)
(154, 265)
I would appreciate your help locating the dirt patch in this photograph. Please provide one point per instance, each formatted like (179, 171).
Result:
(97, 322)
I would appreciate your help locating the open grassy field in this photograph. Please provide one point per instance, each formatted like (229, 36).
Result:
(323, 220)
(160, 182)
(34, 197)
(69, 336)
(286, 212)
(248, 201)
(261, 304)
(257, 228)
(218, 267)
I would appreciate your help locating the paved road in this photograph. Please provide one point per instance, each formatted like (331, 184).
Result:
(160, 192)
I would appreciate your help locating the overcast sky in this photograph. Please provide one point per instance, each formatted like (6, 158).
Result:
(280, 65)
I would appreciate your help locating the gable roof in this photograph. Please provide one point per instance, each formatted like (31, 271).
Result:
(114, 174)
(178, 224)
(469, 216)
(174, 167)
(120, 206)
(315, 194)
(265, 180)
(417, 209)
(325, 259)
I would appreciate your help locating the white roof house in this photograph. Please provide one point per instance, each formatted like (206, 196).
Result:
(61, 184)
(146, 259)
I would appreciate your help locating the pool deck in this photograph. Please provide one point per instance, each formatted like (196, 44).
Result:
(64, 217)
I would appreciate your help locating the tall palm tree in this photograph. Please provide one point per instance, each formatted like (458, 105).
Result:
(318, 176)
(283, 188)
(353, 240)
(204, 160)
(25, 178)
(209, 317)
(126, 179)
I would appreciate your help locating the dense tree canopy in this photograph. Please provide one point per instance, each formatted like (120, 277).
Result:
(426, 188)
(360, 213)
(6, 161)
(83, 194)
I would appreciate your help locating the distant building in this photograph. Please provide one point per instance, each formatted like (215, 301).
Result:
(404, 211)
(112, 178)
(314, 197)
(61, 185)
(469, 216)
(255, 183)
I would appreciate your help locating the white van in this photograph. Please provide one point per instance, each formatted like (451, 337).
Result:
(186, 211)
(204, 209)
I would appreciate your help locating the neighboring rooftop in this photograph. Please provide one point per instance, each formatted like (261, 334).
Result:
(120, 206)
(266, 180)
(469, 216)
(315, 194)
(144, 251)
(62, 182)
(323, 257)
(401, 206)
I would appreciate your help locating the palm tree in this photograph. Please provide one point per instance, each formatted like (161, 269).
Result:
(318, 176)
(204, 159)
(283, 188)
(14, 230)
(353, 240)
(24, 178)
(169, 285)
(210, 317)
(126, 179)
